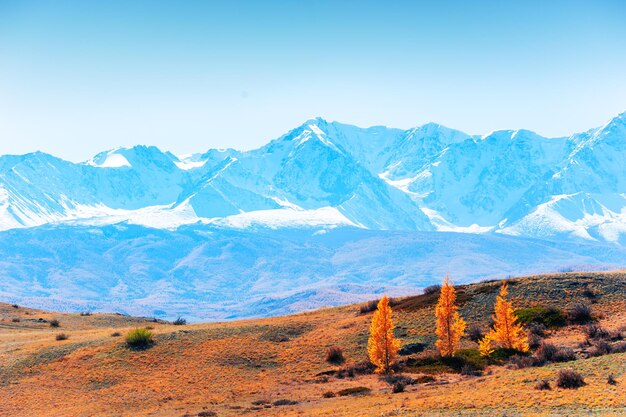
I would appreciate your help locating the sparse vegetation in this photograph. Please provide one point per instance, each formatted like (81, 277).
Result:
(140, 338)
(298, 371)
(180, 321)
(62, 336)
(570, 379)
(54, 323)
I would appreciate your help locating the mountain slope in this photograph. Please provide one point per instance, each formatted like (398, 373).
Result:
(216, 273)
(277, 367)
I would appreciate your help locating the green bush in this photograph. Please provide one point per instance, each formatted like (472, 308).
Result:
(140, 338)
(503, 354)
(548, 316)
(434, 364)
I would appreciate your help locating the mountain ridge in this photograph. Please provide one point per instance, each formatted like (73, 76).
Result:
(430, 177)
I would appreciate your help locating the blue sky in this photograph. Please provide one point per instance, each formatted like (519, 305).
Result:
(78, 77)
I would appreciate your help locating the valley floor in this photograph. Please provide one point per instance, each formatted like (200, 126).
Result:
(276, 367)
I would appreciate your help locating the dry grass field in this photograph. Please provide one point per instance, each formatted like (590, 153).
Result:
(277, 366)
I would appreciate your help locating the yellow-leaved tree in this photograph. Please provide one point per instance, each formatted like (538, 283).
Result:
(450, 325)
(506, 331)
(382, 346)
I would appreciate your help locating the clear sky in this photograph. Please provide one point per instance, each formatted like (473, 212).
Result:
(78, 77)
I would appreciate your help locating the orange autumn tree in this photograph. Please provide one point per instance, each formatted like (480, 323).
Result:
(506, 331)
(450, 325)
(382, 347)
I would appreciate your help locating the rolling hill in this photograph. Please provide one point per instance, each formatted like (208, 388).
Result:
(276, 366)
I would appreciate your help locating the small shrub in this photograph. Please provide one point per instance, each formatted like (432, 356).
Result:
(207, 414)
(334, 355)
(16, 319)
(62, 336)
(354, 391)
(424, 379)
(278, 403)
(54, 323)
(328, 394)
(570, 379)
(534, 341)
(547, 352)
(180, 321)
(619, 347)
(564, 354)
(503, 354)
(359, 368)
(589, 293)
(593, 331)
(467, 370)
(15, 306)
(393, 379)
(475, 333)
(543, 385)
(411, 348)
(537, 329)
(521, 362)
(140, 338)
(369, 306)
(601, 348)
(434, 364)
(116, 334)
(611, 380)
(432, 289)
(548, 316)
(580, 314)
(85, 313)
(398, 387)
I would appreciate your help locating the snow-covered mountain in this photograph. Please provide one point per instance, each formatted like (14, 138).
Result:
(324, 215)
(322, 173)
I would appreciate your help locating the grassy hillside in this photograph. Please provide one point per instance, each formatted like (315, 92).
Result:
(277, 366)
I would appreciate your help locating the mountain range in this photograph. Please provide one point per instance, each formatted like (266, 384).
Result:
(430, 178)
(324, 215)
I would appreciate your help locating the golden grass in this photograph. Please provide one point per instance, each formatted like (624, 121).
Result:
(241, 368)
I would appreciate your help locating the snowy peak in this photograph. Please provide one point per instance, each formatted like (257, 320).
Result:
(424, 178)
